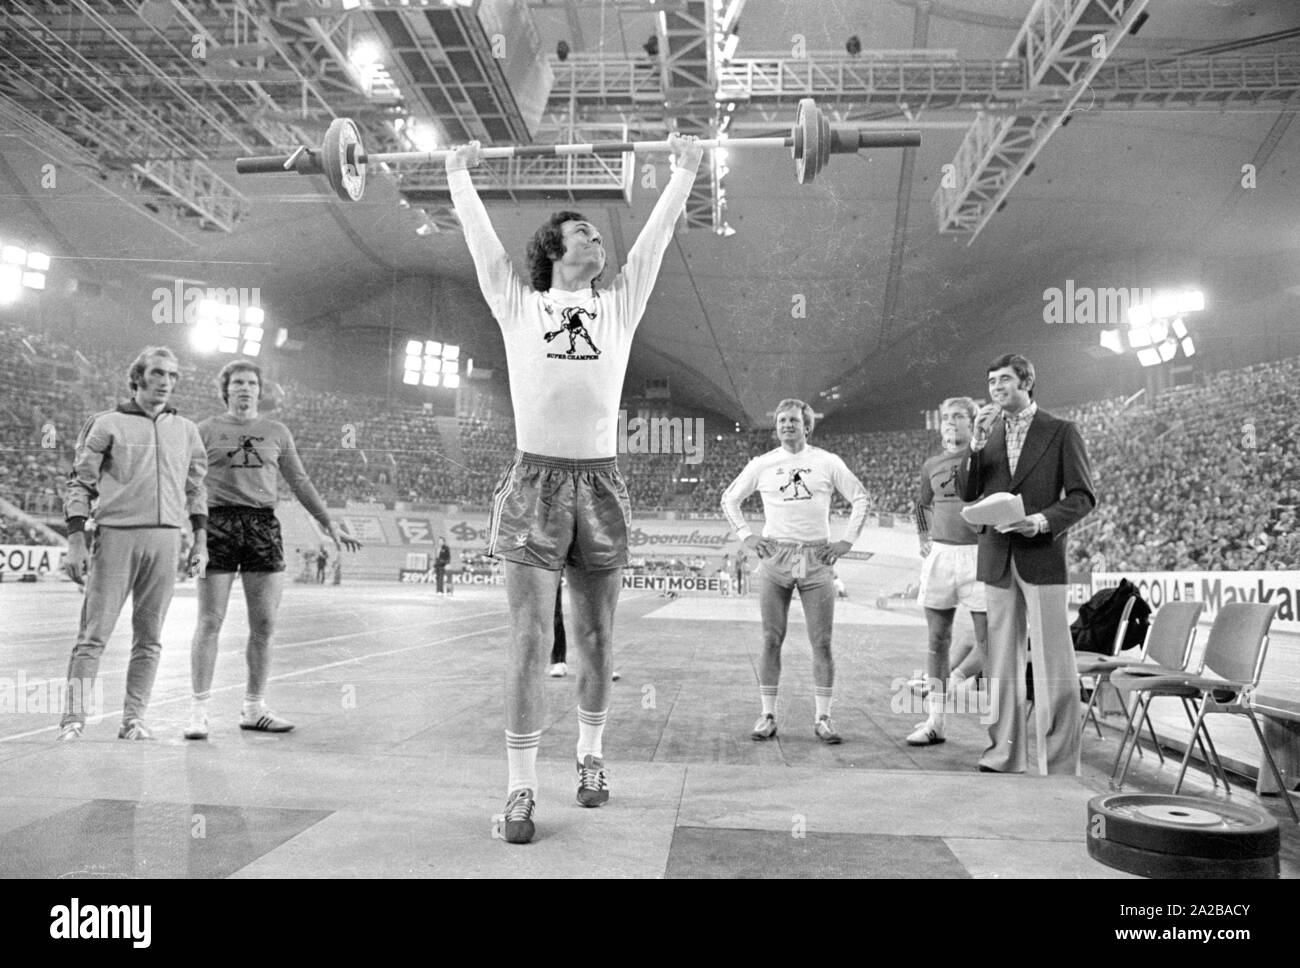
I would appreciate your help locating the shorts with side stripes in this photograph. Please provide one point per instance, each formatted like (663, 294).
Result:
(553, 512)
(244, 539)
(796, 565)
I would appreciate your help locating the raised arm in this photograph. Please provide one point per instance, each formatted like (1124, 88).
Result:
(496, 275)
(637, 280)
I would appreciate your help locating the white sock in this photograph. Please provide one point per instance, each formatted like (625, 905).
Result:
(253, 704)
(591, 728)
(521, 757)
(199, 705)
(768, 696)
(934, 704)
(822, 697)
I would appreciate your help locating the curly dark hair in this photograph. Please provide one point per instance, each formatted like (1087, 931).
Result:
(546, 245)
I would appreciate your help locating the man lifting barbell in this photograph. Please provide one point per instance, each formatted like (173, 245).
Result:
(562, 502)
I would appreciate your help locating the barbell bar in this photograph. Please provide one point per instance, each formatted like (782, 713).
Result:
(342, 158)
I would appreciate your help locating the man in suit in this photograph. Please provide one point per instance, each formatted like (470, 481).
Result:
(1020, 449)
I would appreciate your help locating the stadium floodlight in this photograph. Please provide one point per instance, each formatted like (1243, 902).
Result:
(253, 333)
(365, 53)
(430, 378)
(1189, 349)
(228, 344)
(1179, 327)
(205, 335)
(411, 377)
(1139, 336)
(228, 330)
(1112, 340)
(13, 255)
(451, 381)
(432, 347)
(254, 315)
(34, 280)
(1168, 349)
(450, 352)
(1139, 315)
(1164, 305)
(38, 262)
(1159, 331)
(11, 283)
(281, 337)
(251, 348)
(449, 366)
(414, 347)
(1149, 356)
(1192, 301)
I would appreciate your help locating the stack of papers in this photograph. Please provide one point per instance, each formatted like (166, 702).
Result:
(995, 511)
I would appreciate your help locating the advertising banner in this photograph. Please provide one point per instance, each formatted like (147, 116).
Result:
(1215, 589)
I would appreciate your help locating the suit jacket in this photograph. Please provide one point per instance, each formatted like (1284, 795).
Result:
(1053, 478)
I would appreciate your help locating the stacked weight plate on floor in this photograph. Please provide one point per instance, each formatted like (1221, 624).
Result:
(1163, 836)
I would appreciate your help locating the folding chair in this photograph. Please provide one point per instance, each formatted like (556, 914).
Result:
(1166, 651)
(1234, 659)
(1094, 669)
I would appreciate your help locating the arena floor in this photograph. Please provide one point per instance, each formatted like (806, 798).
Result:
(396, 768)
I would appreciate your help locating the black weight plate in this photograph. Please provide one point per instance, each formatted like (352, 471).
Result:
(1150, 863)
(1191, 826)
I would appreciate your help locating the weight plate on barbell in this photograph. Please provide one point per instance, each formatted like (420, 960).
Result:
(1151, 863)
(1190, 826)
(808, 148)
(339, 154)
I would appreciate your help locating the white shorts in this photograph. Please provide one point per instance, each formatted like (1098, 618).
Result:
(948, 578)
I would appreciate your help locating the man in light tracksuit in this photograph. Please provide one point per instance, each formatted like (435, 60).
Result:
(142, 467)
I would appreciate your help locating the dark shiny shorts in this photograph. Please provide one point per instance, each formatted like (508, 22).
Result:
(550, 512)
(244, 539)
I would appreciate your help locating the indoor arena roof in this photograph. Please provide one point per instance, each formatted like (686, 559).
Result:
(1178, 166)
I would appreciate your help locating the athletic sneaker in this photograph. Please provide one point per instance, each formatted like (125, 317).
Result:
(825, 731)
(69, 732)
(558, 671)
(518, 827)
(134, 729)
(593, 790)
(765, 728)
(926, 734)
(198, 727)
(264, 722)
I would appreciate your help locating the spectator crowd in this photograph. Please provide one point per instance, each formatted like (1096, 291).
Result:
(1201, 478)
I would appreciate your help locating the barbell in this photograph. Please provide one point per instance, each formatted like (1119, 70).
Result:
(342, 159)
